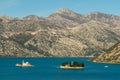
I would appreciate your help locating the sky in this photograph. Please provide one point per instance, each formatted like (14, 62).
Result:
(22, 8)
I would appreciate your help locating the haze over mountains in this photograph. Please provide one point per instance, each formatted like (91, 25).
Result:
(62, 34)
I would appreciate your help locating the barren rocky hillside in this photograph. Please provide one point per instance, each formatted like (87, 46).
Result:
(112, 55)
(63, 33)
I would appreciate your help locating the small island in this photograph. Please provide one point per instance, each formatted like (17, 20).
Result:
(72, 65)
(24, 64)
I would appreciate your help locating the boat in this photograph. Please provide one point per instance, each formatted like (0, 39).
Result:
(72, 65)
(106, 66)
(24, 64)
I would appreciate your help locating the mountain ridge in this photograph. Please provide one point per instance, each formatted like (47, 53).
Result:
(62, 34)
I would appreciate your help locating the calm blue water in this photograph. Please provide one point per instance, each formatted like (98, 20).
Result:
(47, 69)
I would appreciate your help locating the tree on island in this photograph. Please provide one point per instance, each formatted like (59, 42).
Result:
(73, 64)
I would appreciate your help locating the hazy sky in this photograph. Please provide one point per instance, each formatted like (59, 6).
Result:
(21, 8)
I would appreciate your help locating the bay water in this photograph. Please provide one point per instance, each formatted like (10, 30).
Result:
(48, 69)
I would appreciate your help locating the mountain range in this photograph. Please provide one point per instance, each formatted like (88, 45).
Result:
(62, 34)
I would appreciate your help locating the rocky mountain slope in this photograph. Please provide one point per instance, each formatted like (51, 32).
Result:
(112, 55)
(63, 33)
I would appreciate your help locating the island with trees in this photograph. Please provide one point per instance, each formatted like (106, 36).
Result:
(72, 65)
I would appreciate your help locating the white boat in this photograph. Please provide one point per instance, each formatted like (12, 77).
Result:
(106, 66)
(24, 64)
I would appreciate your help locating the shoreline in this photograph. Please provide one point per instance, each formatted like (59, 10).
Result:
(105, 62)
(64, 67)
